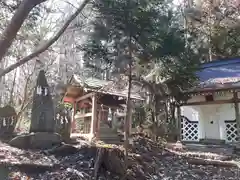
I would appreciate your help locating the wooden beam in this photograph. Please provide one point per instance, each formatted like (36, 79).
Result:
(214, 90)
(77, 116)
(227, 101)
(85, 97)
(237, 113)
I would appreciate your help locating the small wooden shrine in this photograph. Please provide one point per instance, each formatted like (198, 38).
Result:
(95, 102)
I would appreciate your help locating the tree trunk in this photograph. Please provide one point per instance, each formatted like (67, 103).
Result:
(127, 118)
(178, 123)
(11, 99)
(128, 113)
(26, 100)
(9, 34)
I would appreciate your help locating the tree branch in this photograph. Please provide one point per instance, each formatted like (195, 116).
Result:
(16, 22)
(45, 46)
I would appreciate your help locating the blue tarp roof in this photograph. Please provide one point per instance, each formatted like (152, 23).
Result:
(220, 74)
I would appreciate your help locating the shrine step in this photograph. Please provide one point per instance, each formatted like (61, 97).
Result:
(108, 135)
(212, 141)
(111, 141)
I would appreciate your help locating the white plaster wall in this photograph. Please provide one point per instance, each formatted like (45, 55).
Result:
(193, 113)
(226, 112)
(204, 114)
(218, 114)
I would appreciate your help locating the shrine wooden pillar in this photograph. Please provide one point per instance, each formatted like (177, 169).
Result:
(73, 126)
(99, 115)
(237, 113)
(94, 115)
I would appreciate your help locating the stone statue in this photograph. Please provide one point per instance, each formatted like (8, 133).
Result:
(42, 116)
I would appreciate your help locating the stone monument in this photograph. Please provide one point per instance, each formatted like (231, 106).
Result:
(42, 119)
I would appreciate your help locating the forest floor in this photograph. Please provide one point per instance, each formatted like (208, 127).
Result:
(147, 161)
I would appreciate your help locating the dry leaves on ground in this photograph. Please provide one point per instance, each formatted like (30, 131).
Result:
(147, 161)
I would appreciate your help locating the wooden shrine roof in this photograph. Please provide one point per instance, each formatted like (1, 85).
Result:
(117, 88)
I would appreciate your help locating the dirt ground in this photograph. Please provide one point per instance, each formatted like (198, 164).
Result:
(149, 161)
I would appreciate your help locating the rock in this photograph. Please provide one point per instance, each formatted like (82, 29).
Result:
(39, 140)
(179, 146)
(21, 141)
(45, 140)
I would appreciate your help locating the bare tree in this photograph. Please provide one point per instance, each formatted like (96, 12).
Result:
(29, 72)
(11, 31)
(15, 24)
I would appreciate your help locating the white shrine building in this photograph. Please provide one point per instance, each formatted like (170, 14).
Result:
(212, 111)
